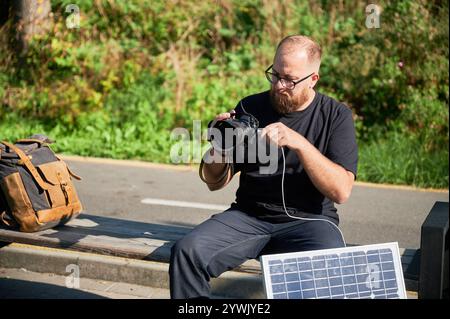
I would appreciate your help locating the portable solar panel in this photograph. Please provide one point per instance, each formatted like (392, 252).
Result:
(358, 272)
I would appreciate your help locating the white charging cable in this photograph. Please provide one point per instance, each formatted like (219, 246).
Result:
(302, 218)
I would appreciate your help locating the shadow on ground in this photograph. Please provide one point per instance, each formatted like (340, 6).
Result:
(21, 289)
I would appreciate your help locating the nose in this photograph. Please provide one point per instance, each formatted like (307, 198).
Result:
(278, 86)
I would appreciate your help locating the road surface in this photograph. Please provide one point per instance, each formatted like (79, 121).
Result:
(175, 195)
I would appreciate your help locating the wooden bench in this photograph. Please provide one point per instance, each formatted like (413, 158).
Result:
(139, 240)
(111, 236)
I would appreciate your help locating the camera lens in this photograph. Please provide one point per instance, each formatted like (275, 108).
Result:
(226, 135)
(225, 141)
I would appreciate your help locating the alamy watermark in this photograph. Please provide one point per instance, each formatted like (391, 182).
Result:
(373, 17)
(374, 279)
(73, 279)
(73, 20)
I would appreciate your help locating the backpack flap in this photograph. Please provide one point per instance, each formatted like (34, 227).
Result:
(60, 191)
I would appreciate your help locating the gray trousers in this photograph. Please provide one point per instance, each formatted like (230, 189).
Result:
(228, 239)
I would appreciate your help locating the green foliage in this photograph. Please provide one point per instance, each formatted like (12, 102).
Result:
(416, 166)
(134, 70)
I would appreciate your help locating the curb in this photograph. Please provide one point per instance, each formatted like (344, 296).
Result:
(231, 284)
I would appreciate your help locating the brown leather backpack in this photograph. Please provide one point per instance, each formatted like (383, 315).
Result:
(36, 189)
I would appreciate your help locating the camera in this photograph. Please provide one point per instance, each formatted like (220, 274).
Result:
(226, 135)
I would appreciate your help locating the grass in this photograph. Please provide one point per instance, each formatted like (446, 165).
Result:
(402, 160)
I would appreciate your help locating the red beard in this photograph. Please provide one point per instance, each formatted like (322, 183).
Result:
(283, 103)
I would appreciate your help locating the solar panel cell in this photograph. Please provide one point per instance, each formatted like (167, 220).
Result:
(390, 284)
(320, 283)
(278, 269)
(293, 286)
(308, 284)
(277, 278)
(295, 295)
(350, 289)
(290, 267)
(306, 275)
(336, 281)
(309, 294)
(387, 266)
(390, 274)
(320, 273)
(303, 266)
(337, 291)
(323, 293)
(277, 288)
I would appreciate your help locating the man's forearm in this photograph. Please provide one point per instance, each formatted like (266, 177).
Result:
(331, 179)
(215, 171)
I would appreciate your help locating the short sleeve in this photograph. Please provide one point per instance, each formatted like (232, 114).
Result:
(342, 147)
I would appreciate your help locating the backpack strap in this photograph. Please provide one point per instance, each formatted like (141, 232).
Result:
(7, 220)
(31, 140)
(27, 163)
(68, 169)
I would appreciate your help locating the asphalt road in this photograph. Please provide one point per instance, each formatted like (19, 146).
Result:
(176, 196)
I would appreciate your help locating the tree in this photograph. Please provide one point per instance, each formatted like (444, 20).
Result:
(30, 18)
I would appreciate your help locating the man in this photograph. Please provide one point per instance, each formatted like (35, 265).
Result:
(319, 161)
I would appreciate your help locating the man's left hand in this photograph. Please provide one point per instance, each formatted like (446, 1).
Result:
(281, 135)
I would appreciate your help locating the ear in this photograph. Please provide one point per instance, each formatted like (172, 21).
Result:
(314, 80)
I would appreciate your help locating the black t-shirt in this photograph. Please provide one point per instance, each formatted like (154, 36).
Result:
(325, 123)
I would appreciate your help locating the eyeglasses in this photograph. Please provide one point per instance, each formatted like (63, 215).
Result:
(288, 84)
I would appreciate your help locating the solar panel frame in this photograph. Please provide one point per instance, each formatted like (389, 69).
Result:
(368, 271)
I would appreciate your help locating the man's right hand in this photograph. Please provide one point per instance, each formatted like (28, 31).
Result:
(215, 169)
(226, 115)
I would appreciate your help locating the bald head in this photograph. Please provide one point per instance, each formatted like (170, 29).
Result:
(301, 45)
(298, 60)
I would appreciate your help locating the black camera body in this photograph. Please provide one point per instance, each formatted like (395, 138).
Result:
(226, 135)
